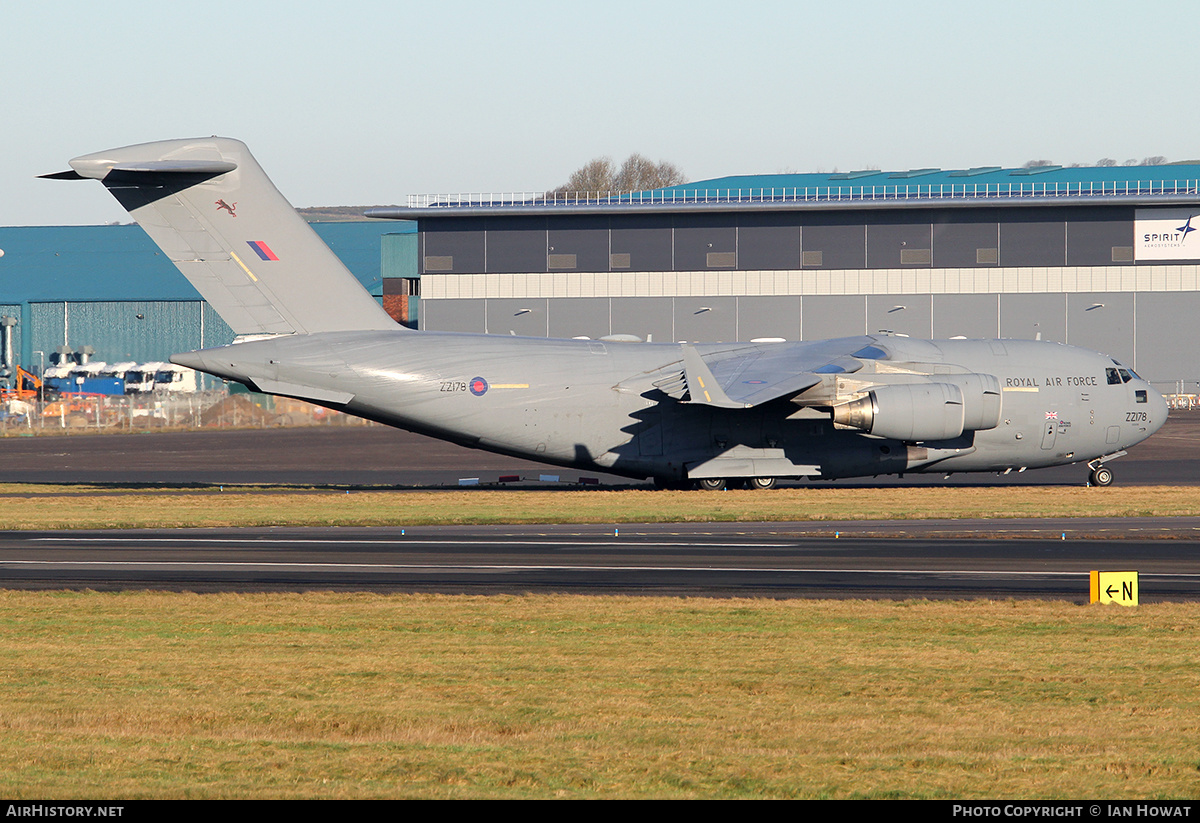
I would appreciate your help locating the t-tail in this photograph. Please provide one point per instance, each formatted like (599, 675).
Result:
(210, 207)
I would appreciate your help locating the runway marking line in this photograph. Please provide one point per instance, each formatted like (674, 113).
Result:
(415, 541)
(518, 567)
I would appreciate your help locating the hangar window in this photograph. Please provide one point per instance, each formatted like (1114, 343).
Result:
(987, 257)
(560, 261)
(914, 257)
(812, 258)
(410, 286)
(1122, 254)
(439, 262)
(619, 261)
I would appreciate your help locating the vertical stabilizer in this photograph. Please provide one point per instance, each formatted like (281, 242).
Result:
(210, 207)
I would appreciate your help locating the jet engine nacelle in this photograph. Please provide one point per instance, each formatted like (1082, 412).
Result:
(915, 412)
(981, 399)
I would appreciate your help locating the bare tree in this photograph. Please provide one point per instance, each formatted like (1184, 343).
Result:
(594, 176)
(1156, 160)
(637, 173)
(1034, 164)
(1106, 162)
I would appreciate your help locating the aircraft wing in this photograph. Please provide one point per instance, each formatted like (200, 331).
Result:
(752, 375)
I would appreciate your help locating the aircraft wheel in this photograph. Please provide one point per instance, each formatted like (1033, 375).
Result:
(761, 482)
(711, 484)
(1101, 476)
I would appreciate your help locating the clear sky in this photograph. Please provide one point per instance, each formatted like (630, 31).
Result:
(361, 102)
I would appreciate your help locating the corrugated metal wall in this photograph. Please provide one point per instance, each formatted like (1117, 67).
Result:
(133, 330)
(142, 331)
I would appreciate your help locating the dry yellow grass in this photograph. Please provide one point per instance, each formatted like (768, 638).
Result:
(88, 507)
(337, 695)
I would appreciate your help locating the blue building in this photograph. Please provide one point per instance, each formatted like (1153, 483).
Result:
(109, 287)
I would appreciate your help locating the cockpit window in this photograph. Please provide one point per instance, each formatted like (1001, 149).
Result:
(1114, 379)
(1139, 396)
(1125, 375)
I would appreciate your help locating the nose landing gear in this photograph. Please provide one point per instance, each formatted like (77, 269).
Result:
(1101, 475)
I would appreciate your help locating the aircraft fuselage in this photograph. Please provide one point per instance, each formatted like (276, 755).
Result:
(597, 405)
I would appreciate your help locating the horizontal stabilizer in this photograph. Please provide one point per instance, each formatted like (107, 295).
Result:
(69, 174)
(100, 169)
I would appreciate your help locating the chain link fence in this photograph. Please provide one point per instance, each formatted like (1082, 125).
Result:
(82, 413)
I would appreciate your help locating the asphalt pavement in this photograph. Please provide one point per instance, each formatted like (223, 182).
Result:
(372, 455)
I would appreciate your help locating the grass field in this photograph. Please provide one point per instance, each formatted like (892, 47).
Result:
(75, 507)
(137, 695)
(322, 695)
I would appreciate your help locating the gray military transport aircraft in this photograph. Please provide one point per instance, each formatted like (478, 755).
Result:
(706, 415)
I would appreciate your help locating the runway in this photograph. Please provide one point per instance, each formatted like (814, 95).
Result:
(889, 559)
(898, 559)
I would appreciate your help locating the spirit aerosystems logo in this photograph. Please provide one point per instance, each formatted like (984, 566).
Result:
(1186, 228)
(1166, 234)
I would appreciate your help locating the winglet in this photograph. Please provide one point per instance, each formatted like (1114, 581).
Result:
(702, 386)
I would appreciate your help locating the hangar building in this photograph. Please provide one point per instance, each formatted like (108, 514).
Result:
(1104, 258)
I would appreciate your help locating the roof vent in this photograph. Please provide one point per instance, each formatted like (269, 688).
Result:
(1033, 170)
(855, 175)
(901, 175)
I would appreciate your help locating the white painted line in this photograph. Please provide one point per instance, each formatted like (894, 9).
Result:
(413, 541)
(170, 564)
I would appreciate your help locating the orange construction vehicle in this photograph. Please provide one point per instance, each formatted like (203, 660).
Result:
(27, 386)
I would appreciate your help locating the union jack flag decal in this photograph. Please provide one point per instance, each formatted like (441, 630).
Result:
(1051, 415)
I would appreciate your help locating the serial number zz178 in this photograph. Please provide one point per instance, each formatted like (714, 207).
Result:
(1136, 417)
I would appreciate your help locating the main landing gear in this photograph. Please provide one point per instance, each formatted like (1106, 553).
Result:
(716, 484)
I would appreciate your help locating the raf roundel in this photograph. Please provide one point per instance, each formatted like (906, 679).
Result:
(479, 386)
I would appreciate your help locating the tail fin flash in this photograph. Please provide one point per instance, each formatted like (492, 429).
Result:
(210, 207)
